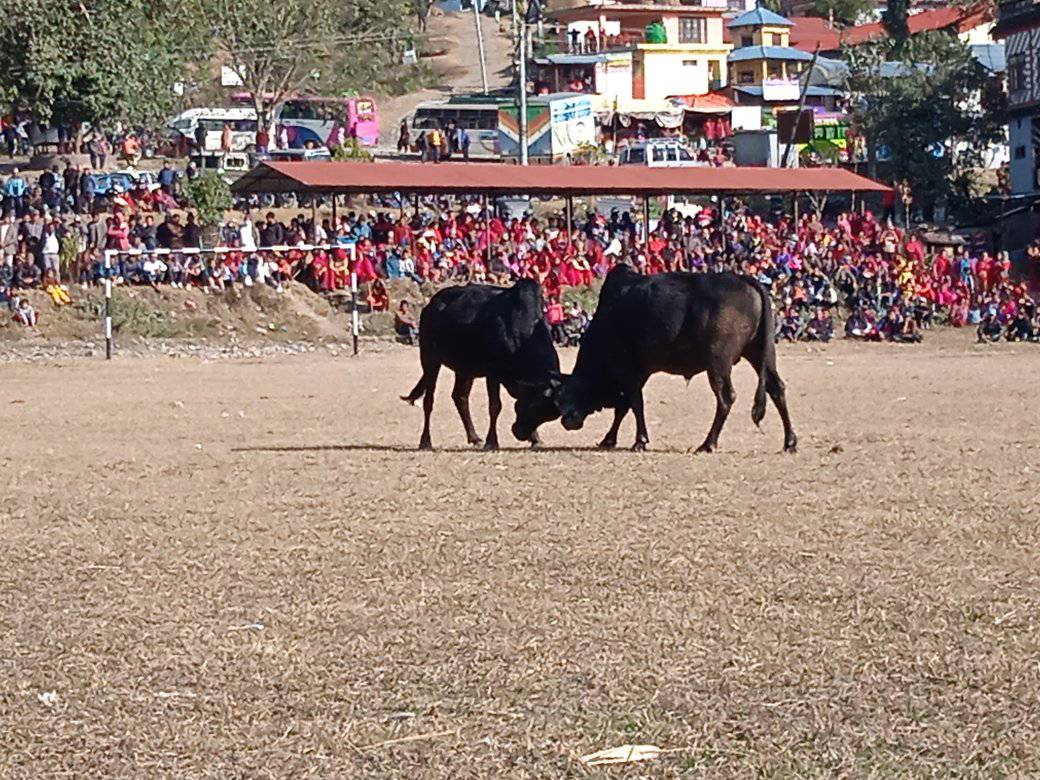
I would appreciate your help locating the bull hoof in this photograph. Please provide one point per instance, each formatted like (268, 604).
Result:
(476, 442)
(791, 448)
(425, 446)
(490, 445)
(639, 446)
(705, 448)
(607, 444)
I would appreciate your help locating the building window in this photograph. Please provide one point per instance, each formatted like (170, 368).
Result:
(1020, 153)
(1016, 72)
(691, 63)
(747, 40)
(746, 77)
(692, 30)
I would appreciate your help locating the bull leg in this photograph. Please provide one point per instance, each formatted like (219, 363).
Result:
(494, 408)
(610, 440)
(427, 405)
(635, 401)
(722, 386)
(460, 395)
(776, 390)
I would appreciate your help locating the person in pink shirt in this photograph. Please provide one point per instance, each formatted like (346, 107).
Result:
(118, 233)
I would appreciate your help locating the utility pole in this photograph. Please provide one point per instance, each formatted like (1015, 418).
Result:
(480, 45)
(521, 53)
(801, 107)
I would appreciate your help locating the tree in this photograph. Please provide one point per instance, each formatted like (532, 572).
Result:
(317, 46)
(116, 60)
(894, 20)
(844, 12)
(929, 103)
(211, 197)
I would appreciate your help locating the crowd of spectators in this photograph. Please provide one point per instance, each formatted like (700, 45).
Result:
(876, 279)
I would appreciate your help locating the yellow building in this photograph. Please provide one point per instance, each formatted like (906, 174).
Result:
(761, 49)
(691, 59)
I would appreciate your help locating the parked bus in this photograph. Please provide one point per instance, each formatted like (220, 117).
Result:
(307, 121)
(478, 116)
(316, 120)
(242, 121)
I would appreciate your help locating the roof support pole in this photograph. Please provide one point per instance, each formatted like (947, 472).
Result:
(570, 219)
(795, 197)
(722, 227)
(334, 220)
(646, 218)
(487, 234)
(314, 219)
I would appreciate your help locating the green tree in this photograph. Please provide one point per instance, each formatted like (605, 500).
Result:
(316, 46)
(211, 197)
(931, 105)
(844, 12)
(70, 62)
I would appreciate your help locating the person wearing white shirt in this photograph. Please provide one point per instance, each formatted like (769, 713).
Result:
(247, 235)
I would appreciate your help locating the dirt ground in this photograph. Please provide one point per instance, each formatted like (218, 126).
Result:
(243, 569)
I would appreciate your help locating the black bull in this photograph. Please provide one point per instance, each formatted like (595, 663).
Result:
(673, 323)
(494, 332)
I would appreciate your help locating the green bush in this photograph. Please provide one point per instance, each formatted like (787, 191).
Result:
(210, 196)
(351, 151)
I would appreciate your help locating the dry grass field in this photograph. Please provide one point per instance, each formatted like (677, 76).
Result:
(241, 569)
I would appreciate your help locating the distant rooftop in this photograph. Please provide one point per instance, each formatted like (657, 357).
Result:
(745, 53)
(961, 19)
(760, 17)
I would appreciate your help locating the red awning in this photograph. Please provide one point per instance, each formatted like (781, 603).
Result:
(495, 179)
(712, 103)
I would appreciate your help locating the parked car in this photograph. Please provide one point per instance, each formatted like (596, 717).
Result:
(658, 153)
(228, 166)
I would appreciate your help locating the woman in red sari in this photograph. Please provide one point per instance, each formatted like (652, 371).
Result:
(319, 268)
(378, 297)
(364, 268)
(338, 274)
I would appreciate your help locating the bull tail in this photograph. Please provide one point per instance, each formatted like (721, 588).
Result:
(417, 392)
(766, 352)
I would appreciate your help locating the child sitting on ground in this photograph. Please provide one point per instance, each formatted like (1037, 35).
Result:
(59, 294)
(24, 313)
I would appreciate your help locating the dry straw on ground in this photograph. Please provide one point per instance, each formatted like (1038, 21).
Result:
(866, 608)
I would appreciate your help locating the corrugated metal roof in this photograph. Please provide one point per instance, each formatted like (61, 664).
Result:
(494, 179)
(745, 53)
(813, 90)
(810, 32)
(571, 59)
(759, 17)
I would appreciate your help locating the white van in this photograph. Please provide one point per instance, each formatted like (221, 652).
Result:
(658, 153)
(242, 121)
